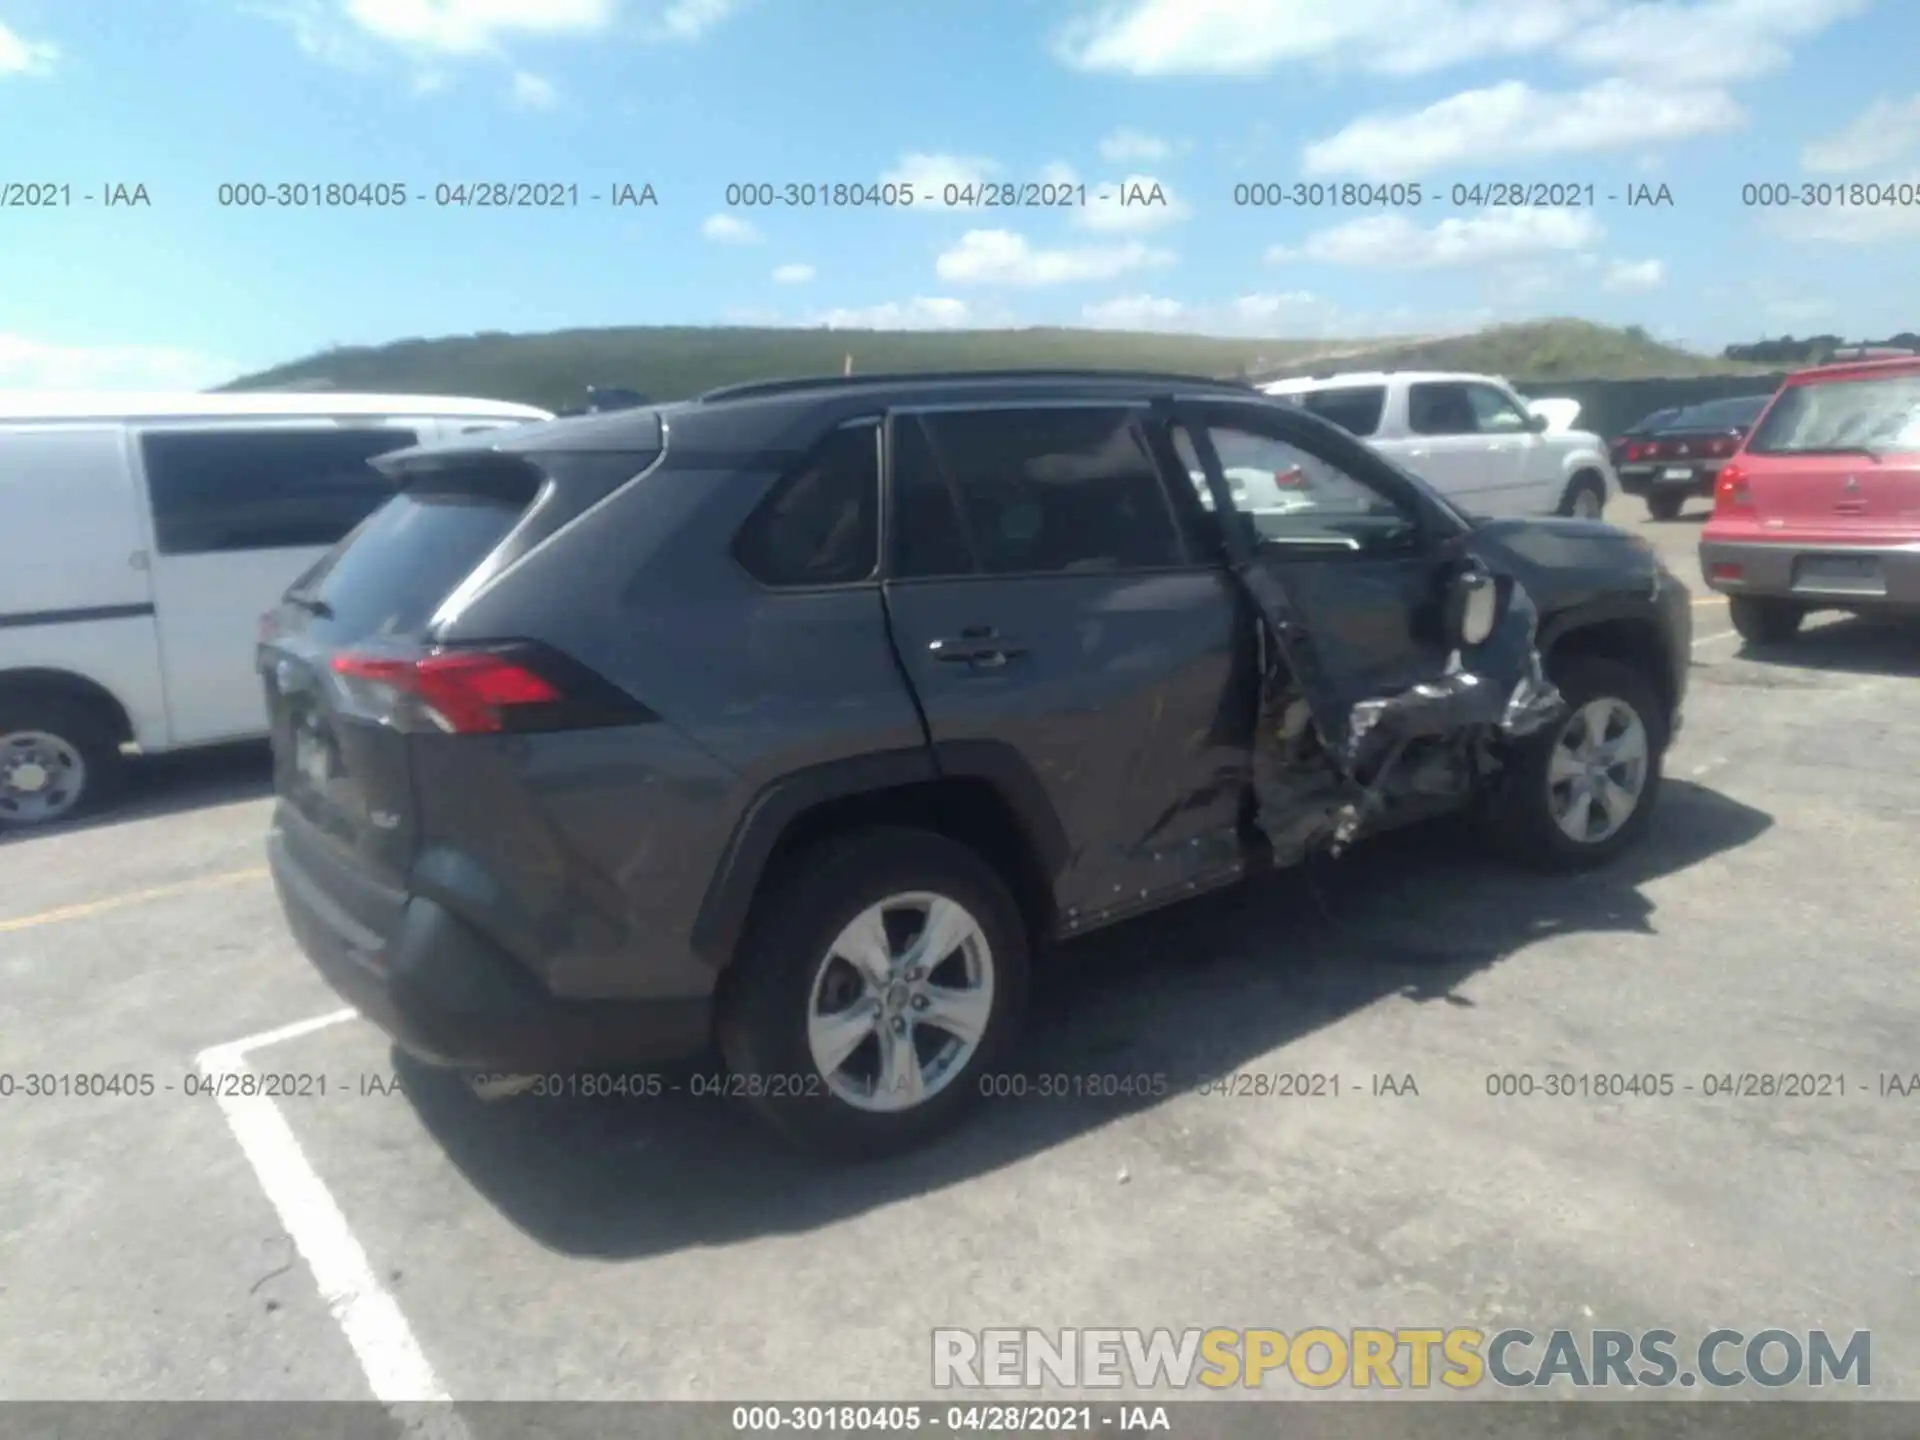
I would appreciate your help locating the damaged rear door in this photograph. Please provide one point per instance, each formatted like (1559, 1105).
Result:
(1371, 701)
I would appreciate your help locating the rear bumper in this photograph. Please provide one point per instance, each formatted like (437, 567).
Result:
(1776, 569)
(1644, 480)
(444, 992)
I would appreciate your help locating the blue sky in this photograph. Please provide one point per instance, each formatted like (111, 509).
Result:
(1195, 97)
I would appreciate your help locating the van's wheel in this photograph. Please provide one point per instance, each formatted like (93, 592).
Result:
(57, 761)
(1763, 620)
(1582, 790)
(1586, 497)
(875, 993)
(1665, 505)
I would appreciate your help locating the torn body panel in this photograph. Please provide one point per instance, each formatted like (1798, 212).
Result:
(1330, 761)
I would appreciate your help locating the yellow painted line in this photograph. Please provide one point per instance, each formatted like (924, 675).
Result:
(1711, 600)
(134, 897)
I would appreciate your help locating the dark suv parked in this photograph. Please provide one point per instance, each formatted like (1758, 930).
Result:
(804, 716)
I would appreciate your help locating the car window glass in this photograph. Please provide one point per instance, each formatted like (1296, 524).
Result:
(1494, 413)
(1356, 409)
(820, 525)
(1837, 415)
(1436, 408)
(1057, 490)
(1296, 498)
(927, 534)
(261, 489)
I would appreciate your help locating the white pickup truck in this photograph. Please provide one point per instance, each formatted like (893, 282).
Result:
(1469, 436)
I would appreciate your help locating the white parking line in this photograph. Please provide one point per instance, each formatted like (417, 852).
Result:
(390, 1356)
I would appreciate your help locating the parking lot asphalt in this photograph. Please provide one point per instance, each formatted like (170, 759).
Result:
(396, 1237)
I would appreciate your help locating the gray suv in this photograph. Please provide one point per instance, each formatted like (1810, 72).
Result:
(806, 716)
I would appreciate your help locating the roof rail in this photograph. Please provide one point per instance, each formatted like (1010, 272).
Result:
(752, 388)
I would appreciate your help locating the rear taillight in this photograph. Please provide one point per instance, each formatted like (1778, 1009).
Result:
(460, 692)
(1726, 444)
(516, 688)
(1642, 450)
(1292, 479)
(1730, 495)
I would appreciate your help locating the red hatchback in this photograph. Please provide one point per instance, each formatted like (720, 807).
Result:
(1820, 508)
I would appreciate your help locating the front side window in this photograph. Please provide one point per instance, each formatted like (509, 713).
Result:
(1440, 408)
(1294, 497)
(820, 524)
(1494, 413)
(245, 489)
(1067, 490)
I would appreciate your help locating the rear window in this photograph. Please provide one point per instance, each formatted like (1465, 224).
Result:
(1881, 412)
(390, 576)
(1356, 409)
(1721, 414)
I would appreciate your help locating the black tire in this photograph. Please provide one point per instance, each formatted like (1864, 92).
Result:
(1585, 484)
(79, 730)
(763, 1017)
(1519, 821)
(1763, 620)
(1665, 506)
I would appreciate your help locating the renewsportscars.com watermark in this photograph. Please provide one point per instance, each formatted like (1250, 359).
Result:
(1413, 1359)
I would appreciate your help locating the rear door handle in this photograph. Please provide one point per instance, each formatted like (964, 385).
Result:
(978, 645)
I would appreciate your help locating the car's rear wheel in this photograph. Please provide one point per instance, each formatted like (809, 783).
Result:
(1664, 506)
(875, 992)
(1582, 790)
(1586, 497)
(1763, 620)
(57, 761)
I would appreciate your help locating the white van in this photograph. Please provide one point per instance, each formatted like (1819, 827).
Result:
(141, 539)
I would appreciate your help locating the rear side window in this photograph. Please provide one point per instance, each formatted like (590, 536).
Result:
(1880, 413)
(820, 525)
(391, 576)
(928, 538)
(1057, 490)
(1356, 409)
(219, 490)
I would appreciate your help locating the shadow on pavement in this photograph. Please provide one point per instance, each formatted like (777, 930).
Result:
(176, 784)
(1186, 994)
(1859, 645)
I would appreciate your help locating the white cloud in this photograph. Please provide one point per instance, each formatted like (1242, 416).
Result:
(1126, 146)
(729, 230)
(793, 274)
(1395, 242)
(1252, 37)
(475, 27)
(1855, 225)
(534, 92)
(1685, 41)
(1886, 132)
(1513, 120)
(1134, 312)
(20, 56)
(27, 364)
(1001, 257)
(1634, 277)
(1130, 206)
(1709, 43)
(923, 312)
(929, 174)
(690, 19)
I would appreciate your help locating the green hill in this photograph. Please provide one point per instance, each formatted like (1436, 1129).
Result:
(667, 362)
(1539, 350)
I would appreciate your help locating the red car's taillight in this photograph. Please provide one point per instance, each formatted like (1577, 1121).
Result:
(459, 692)
(1730, 494)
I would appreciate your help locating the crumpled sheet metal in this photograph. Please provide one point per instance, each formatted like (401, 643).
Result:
(1498, 688)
